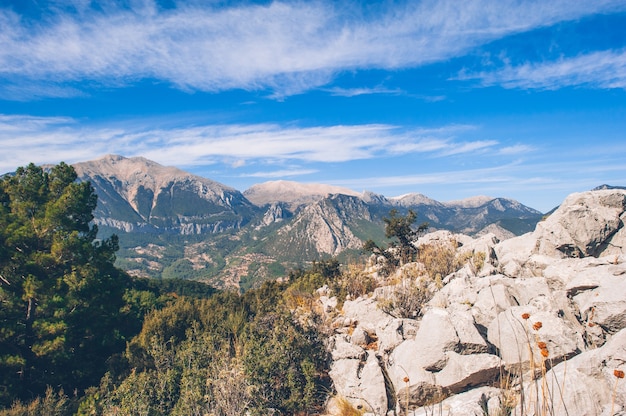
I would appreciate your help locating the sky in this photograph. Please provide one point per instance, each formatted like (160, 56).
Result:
(447, 98)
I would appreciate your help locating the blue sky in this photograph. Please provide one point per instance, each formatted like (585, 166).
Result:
(519, 99)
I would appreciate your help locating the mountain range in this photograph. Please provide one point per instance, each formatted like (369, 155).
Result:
(175, 224)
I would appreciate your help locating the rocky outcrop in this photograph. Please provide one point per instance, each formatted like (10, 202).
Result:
(538, 328)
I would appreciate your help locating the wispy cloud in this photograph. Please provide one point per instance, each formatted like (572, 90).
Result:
(605, 69)
(497, 174)
(516, 149)
(353, 92)
(285, 47)
(284, 173)
(51, 140)
(468, 147)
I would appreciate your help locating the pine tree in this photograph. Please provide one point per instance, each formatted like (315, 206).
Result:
(60, 292)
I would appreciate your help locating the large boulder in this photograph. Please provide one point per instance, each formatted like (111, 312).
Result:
(595, 287)
(447, 355)
(476, 402)
(587, 224)
(583, 225)
(464, 371)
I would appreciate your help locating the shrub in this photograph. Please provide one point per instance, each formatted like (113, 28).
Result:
(353, 282)
(439, 259)
(407, 299)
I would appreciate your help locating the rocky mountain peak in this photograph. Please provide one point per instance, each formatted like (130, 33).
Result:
(294, 194)
(413, 199)
(139, 171)
(139, 194)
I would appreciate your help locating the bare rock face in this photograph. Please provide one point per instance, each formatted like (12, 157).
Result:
(516, 338)
(586, 224)
(292, 194)
(324, 227)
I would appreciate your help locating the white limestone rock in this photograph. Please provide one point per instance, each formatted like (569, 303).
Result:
(586, 384)
(464, 371)
(470, 403)
(361, 381)
(583, 224)
(516, 338)
(341, 349)
(366, 313)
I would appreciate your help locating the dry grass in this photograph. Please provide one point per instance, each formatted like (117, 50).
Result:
(345, 408)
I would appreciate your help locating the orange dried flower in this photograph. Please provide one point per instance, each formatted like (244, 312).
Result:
(406, 379)
(542, 345)
(618, 373)
(525, 315)
(545, 353)
(537, 326)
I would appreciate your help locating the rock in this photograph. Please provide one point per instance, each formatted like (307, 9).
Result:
(463, 371)
(361, 382)
(491, 301)
(328, 305)
(586, 224)
(470, 340)
(360, 337)
(604, 304)
(583, 224)
(416, 360)
(515, 337)
(586, 384)
(395, 333)
(472, 403)
(342, 349)
(514, 254)
(569, 276)
(366, 313)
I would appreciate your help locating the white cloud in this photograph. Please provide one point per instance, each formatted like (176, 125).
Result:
(26, 139)
(279, 173)
(605, 69)
(353, 92)
(468, 147)
(286, 47)
(516, 149)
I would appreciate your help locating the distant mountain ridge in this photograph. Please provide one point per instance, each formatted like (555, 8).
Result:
(136, 194)
(294, 194)
(175, 224)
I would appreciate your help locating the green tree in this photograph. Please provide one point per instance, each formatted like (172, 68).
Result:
(60, 293)
(403, 234)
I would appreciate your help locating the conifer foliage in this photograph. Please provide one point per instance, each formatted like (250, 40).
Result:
(60, 294)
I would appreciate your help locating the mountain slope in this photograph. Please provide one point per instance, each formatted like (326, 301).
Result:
(292, 194)
(175, 224)
(326, 227)
(138, 195)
